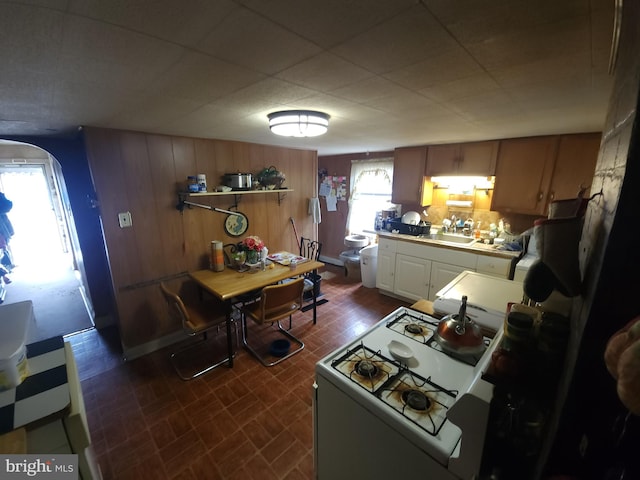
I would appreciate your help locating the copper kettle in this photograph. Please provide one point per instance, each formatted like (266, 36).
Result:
(457, 333)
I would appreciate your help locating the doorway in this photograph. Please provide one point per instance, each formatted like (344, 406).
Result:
(45, 271)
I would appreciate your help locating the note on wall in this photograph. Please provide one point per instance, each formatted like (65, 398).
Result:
(332, 202)
(335, 186)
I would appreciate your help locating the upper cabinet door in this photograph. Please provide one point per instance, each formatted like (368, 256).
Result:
(408, 174)
(478, 158)
(443, 160)
(474, 158)
(575, 165)
(523, 174)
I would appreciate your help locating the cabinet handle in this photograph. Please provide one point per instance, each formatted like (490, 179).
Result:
(552, 195)
(540, 196)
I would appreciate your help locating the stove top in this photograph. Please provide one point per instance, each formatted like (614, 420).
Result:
(422, 328)
(416, 394)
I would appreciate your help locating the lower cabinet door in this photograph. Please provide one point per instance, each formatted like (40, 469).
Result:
(441, 275)
(412, 277)
(385, 270)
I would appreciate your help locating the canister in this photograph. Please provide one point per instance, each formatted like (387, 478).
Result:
(192, 182)
(217, 256)
(202, 182)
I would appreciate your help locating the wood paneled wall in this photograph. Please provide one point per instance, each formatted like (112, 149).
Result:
(143, 173)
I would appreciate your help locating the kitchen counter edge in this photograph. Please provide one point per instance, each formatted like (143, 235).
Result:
(476, 247)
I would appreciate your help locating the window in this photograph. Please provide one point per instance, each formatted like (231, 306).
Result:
(371, 182)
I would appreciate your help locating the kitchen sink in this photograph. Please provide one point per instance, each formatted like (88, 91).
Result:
(451, 238)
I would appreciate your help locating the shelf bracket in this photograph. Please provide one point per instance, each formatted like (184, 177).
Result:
(182, 203)
(280, 197)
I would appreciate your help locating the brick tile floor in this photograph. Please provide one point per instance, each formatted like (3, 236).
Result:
(248, 422)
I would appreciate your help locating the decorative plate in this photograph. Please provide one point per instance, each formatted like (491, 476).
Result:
(236, 225)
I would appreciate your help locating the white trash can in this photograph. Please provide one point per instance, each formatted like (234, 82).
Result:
(369, 265)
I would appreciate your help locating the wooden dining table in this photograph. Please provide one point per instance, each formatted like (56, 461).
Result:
(230, 283)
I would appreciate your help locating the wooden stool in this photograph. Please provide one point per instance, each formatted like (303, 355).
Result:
(424, 306)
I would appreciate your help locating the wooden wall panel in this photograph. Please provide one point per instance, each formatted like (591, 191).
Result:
(171, 231)
(142, 173)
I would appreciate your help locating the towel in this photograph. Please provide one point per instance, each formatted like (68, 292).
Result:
(314, 209)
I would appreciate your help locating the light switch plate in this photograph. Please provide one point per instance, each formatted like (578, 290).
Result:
(124, 219)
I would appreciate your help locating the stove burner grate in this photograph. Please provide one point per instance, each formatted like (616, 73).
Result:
(418, 399)
(366, 367)
(413, 326)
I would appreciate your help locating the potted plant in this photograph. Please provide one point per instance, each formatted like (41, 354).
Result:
(251, 247)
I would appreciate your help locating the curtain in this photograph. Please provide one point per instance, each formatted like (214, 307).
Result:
(371, 182)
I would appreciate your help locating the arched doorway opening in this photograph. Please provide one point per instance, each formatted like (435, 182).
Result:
(49, 269)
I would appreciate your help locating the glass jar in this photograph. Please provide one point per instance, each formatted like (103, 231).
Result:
(192, 184)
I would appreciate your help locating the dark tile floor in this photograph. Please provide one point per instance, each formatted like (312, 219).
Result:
(248, 422)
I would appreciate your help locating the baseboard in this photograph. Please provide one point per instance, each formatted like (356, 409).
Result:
(149, 347)
(104, 321)
(332, 261)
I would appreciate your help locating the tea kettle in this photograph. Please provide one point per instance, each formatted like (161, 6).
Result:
(457, 333)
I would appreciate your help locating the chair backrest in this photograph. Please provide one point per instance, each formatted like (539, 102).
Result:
(280, 301)
(310, 248)
(177, 308)
(229, 249)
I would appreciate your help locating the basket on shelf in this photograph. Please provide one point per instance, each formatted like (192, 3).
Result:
(271, 176)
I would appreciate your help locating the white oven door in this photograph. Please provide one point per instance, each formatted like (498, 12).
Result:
(351, 442)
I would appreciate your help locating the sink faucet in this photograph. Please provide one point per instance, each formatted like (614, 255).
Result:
(453, 223)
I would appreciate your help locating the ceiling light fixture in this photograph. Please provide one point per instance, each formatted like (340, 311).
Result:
(298, 123)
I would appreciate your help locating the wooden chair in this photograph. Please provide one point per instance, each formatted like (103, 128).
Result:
(276, 302)
(197, 318)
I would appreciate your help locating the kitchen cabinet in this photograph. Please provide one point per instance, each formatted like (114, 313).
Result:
(574, 166)
(498, 267)
(413, 276)
(408, 176)
(441, 275)
(473, 158)
(417, 270)
(385, 272)
(523, 174)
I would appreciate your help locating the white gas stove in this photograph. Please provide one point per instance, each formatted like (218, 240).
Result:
(392, 403)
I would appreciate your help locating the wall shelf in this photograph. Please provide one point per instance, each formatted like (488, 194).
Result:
(183, 196)
(236, 192)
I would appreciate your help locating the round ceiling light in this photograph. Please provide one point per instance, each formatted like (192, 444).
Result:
(298, 123)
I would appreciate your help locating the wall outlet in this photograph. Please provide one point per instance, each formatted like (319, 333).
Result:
(124, 219)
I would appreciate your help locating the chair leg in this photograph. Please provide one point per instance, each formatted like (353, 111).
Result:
(260, 357)
(184, 349)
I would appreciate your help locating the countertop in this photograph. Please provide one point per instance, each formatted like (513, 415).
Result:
(475, 247)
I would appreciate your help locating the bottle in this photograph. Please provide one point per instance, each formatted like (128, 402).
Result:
(201, 180)
(193, 184)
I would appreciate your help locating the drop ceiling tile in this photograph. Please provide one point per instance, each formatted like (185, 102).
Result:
(100, 53)
(250, 40)
(396, 43)
(484, 20)
(330, 22)
(565, 38)
(365, 90)
(400, 101)
(324, 72)
(444, 66)
(184, 22)
(474, 85)
(269, 94)
(30, 38)
(550, 69)
(201, 78)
